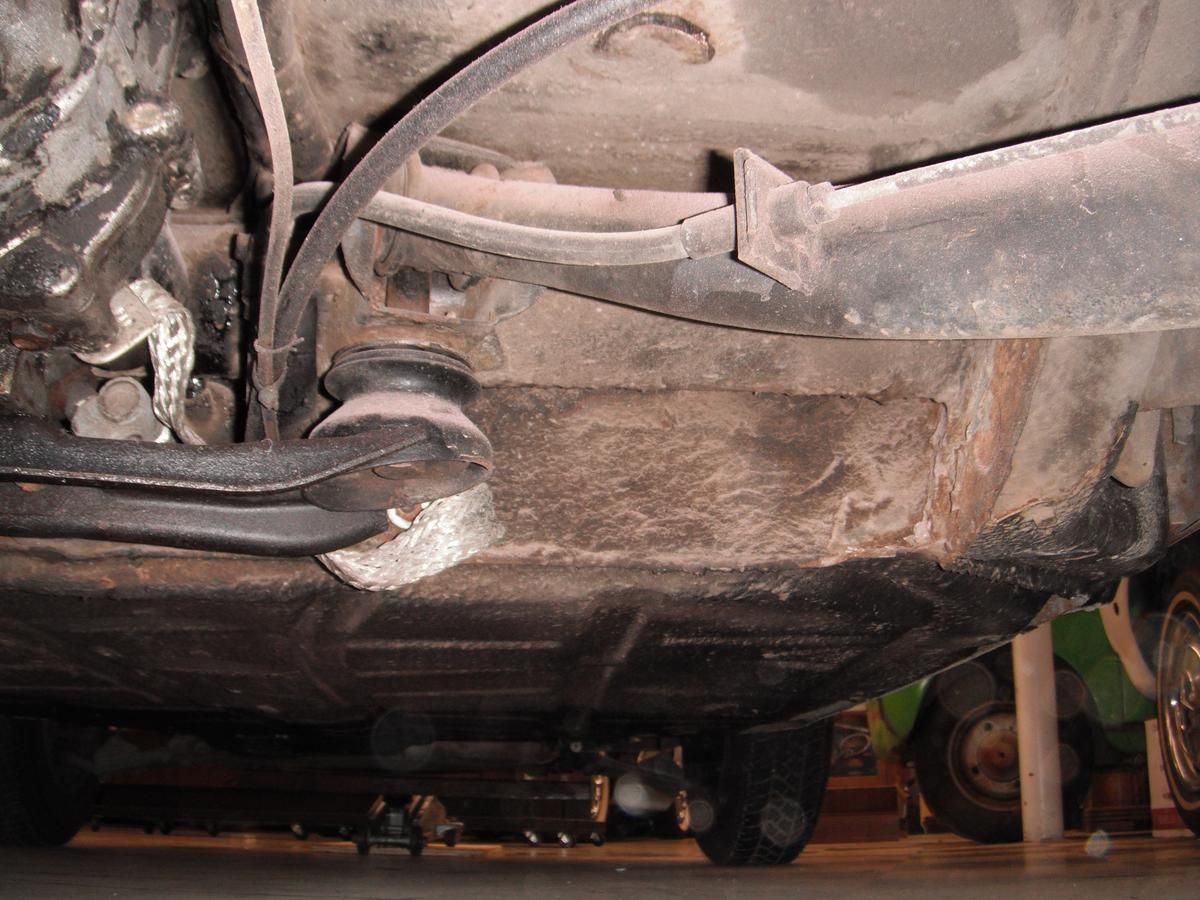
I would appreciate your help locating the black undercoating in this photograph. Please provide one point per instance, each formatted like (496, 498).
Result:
(1107, 531)
(481, 651)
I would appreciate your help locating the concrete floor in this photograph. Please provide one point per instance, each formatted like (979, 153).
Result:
(122, 863)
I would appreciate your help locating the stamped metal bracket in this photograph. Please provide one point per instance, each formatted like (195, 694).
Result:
(779, 221)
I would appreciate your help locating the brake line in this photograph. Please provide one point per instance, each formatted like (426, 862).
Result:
(270, 103)
(548, 245)
(424, 121)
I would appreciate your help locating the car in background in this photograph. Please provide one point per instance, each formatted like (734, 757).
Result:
(959, 727)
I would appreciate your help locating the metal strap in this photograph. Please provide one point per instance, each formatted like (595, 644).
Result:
(448, 531)
(171, 343)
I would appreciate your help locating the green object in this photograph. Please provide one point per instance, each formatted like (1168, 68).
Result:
(1079, 641)
(891, 718)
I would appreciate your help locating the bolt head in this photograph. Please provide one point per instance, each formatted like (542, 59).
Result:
(119, 399)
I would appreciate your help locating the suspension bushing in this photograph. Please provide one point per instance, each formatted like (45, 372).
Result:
(411, 387)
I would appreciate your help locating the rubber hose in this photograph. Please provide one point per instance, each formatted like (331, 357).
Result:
(548, 245)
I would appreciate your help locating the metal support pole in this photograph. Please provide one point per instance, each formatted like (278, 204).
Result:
(1037, 735)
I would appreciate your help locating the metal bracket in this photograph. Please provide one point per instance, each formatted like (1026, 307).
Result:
(779, 221)
(135, 320)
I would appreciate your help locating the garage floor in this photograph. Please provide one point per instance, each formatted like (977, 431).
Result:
(120, 863)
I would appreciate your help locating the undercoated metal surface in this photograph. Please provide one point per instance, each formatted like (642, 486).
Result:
(486, 649)
(702, 480)
(684, 602)
(704, 526)
(828, 92)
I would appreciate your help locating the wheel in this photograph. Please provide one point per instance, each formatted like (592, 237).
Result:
(965, 749)
(44, 800)
(1178, 689)
(363, 846)
(756, 801)
(416, 844)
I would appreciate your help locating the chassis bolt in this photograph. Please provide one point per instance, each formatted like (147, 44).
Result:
(119, 399)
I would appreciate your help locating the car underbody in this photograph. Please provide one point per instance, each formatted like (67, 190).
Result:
(740, 447)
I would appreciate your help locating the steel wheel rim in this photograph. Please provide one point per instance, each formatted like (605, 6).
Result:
(983, 757)
(1180, 699)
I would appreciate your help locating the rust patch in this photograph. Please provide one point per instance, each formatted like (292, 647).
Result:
(978, 441)
(686, 41)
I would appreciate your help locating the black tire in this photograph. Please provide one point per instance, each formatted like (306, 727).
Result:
(1178, 689)
(764, 798)
(44, 801)
(416, 844)
(964, 749)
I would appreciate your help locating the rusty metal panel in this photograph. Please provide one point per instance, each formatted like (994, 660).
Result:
(700, 480)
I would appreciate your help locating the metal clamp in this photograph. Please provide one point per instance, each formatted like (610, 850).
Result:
(779, 221)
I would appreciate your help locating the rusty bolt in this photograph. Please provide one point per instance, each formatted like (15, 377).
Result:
(159, 123)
